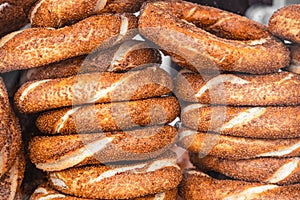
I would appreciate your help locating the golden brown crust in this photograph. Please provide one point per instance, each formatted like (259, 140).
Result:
(92, 88)
(130, 55)
(199, 186)
(118, 182)
(280, 88)
(44, 191)
(12, 17)
(295, 62)
(57, 14)
(61, 152)
(237, 147)
(14, 145)
(40, 46)
(61, 69)
(254, 122)
(8, 155)
(120, 6)
(110, 116)
(4, 113)
(282, 171)
(285, 23)
(26, 4)
(10, 132)
(10, 183)
(206, 38)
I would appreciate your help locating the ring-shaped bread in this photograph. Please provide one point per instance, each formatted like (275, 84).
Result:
(281, 88)
(206, 38)
(279, 171)
(55, 153)
(98, 87)
(268, 122)
(109, 116)
(44, 191)
(119, 181)
(197, 185)
(130, 55)
(59, 13)
(34, 47)
(236, 148)
(285, 23)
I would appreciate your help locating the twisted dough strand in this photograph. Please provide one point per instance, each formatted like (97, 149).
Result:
(236, 148)
(199, 186)
(130, 55)
(61, 152)
(255, 122)
(48, 13)
(109, 116)
(34, 47)
(119, 181)
(282, 171)
(44, 191)
(92, 88)
(280, 88)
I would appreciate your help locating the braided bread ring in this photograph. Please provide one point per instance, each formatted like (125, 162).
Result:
(199, 186)
(130, 55)
(49, 13)
(110, 116)
(119, 182)
(92, 88)
(295, 63)
(236, 148)
(254, 122)
(46, 192)
(40, 46)
(61, 152)
(282, 171)
(285, 23)
(228, 89)
(209, 38)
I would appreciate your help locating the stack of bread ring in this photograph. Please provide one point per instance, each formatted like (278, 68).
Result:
(240, 115)
(101, 102)
(101, 105)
